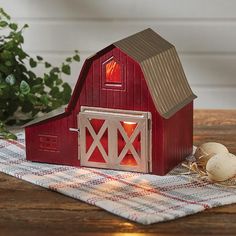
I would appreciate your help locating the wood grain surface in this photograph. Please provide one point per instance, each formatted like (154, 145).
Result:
(26, 209)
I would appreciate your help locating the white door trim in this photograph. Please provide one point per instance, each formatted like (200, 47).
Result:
(112, 123)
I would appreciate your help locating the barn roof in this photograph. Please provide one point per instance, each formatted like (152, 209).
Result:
(51, 114)
(162, 70)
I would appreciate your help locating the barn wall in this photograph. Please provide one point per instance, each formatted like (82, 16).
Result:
(67, 152)
(135, 97)
(204, 33)
(178, 137)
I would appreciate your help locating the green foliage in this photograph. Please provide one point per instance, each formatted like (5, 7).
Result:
(4, 133)
(21, 90)
(24, 87)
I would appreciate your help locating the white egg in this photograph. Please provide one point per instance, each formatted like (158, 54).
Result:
(204, 152)
(221, 166)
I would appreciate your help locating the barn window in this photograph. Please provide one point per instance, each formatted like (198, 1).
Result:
(113, 74)
(48, 142)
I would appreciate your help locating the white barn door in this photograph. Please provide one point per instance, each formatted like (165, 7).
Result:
(115, 139)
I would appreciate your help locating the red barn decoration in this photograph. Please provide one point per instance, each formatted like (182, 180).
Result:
(131, 109)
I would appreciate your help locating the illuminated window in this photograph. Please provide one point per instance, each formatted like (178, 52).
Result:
(113, 72)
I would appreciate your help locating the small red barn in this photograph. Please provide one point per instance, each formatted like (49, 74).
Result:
(131, 109)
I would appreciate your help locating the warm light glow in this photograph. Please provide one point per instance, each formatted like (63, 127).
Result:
(129, 127)
(129, 122)
(129, 160)
(113, 72)
(129, 226)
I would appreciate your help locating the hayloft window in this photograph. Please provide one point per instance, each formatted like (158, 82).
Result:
(113, 74)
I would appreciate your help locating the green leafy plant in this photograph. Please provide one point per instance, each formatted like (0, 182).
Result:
(23, 94)
(5, 133)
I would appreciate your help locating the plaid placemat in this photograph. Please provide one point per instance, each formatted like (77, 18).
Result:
(142, 198)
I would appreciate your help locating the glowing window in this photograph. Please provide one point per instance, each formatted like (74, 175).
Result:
(113, 72)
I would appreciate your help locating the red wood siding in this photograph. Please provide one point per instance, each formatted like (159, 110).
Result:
(178, 137)
(67, 142)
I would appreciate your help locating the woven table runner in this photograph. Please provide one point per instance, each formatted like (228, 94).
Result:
(142, 198)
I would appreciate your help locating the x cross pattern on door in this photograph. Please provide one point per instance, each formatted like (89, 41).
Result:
(112, 124)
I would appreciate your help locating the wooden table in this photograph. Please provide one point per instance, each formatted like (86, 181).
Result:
(26, 209)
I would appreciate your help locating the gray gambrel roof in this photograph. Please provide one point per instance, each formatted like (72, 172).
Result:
(162, 70)
(51, 114)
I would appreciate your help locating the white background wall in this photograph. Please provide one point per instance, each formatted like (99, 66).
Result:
(203, 31)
